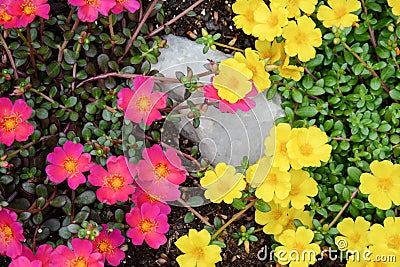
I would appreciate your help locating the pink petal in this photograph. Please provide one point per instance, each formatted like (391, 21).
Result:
(105, 194)
(96, 260)
(177, 177)
(133, 114)
(20, 261)
(174, 159)
(149, 211)
(60, 255)
(117, 9)
(154, 115)
(7, 138)
(43, 254)
(133, 217)
(72, 150)
(74, 182)
(24, 20)
(116, 239)
(158, 100)
(87, 13)
(82, 247)
(84, 162)
(140, 80)
(97, 174)
(105, 6)
(77, 2)
(22, 108)
(43, 11)
(23, 131)
(125, 97)
(56, 173)
(154, 155)
(136, 236)
(14, 10)
(163, 225)
(145, 171)
(132, 5)
(155, 240)
(57, 157)
(116, 257)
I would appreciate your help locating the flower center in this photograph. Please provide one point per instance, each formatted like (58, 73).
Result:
(92, 2)
(28, 8)
(115, 181)
(282, 148)
(384, 184)
(146, 226)
(121, 1)
(272, 178)
(295, 190)
(143, 104)
(394, 241)
(199, 252)
(152, 199)
(79, 261)
(9, 123)
(340, 11)
(104, 247)
(4, 16)
(6, 234)
(161, 170)
(276, 214)
(355, 237)
(273, 20)
(306, 149)
(70, 165)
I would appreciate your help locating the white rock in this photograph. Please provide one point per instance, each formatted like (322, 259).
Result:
(223, 137)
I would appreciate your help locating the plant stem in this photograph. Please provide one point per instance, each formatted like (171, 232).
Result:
(341, 139)
(198, 215)
(31, 50)
(65, 43)
(137, 31)
(198, 2)
(48, 98)
(234, 218)
(9, 54)
(113, 110)
(366, 66)
(343, 209)
(371, 31)
(228, 46)
(12, 154)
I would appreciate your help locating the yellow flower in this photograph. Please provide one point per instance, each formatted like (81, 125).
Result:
(297, 248)
(223, 184)
(302, 187)
(379, 256)
(232, 81)
(270, 52)
(274, 220)
(307, 147)
(290, 71)
(395, 5)
(257, 173)
(275, 145)
(388, 235)
(257, 66)
(276, 183)
(301, 38)
(245, 10)
(269, 22)
(338, 14)
(294, 6)
(383, 185)
(197, 250)
(354, 234)
(294, 214)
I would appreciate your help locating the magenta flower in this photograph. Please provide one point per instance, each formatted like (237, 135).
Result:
(161, 173)
(107, 245)
(81, 255)
(116, 184)
(142, 104)
(140, 197)
(12, 121)
(42, 256)
(245, 104)
(7, 20)
(11, 234)
(27, 10)
(148, 224)
(89, 9)
(68, 162)
(130, 5)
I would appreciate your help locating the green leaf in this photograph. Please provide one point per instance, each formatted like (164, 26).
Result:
(357, 203)
(86, 198)
(262, 206)
(375, 83)
(297, 96)
(53, 69)
(218, 243)
(238, 204)
(189, 217)
(41, 113)
(307, 111)
(64, 233)
(71, 101)
(53, 224)
(335, 207)
(354, 173)
(69, 57)
(394, 94)
(102, 60)
(217, 222)
(316, 91)
(119, 215)
(58, 201)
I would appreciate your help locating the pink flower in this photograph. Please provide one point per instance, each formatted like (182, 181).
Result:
(68, 162)
(29, 259)
(130, 5)
(12, 121)
(140, 197)
(107, 245)
(89, 9)
(245, 104)
(116, 184)
(7, 20)
(81, 255)
(11, 234)
(142, 104)
(147, 224)
(160, 173)
(27, 10)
